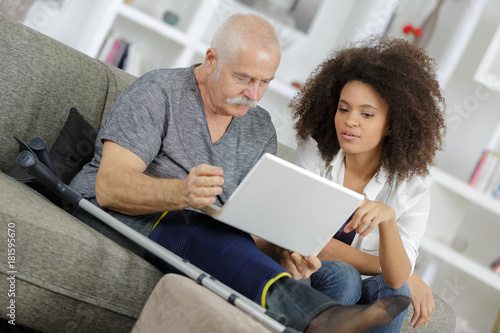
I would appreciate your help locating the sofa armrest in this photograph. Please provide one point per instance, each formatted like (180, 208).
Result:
(67, 275)
(178, 304)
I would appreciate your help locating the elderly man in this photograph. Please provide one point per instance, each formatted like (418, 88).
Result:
(181, 139)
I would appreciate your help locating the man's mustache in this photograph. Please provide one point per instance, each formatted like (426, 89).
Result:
(242, 100)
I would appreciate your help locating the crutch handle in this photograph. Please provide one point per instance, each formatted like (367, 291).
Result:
(28, 160)
(39, 147)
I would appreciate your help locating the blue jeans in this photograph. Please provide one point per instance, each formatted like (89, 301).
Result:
(342, 282)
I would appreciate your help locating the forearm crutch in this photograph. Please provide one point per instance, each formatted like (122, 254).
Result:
(44, 175)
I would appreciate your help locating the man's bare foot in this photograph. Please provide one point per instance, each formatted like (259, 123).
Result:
(359, 318)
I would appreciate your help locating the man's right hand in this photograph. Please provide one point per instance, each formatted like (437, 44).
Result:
(122, 185)
(202, 185)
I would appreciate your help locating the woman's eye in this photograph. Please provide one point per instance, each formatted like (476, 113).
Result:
(343, 110)
(367, 115)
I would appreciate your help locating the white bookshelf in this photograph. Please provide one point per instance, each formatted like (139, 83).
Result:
(469, 266)
(440, 236)
(82, 25)
(469, 193)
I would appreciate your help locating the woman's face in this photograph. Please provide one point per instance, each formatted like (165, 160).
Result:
(361, 120)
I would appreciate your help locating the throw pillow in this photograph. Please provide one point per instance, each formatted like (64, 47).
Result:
(74, 147)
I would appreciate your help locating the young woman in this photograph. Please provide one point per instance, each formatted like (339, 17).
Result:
(371, 119)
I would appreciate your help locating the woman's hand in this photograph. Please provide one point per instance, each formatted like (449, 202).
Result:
(297, 265)
(368, 216)
(422, 300)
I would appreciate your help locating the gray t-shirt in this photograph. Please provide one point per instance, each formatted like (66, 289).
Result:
(161, 119)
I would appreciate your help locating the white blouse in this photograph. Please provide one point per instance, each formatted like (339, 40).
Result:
(409, 199)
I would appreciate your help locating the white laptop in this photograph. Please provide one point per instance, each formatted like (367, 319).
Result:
(288, 206)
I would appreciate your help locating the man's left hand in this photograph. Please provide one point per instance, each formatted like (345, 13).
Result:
(297, 265)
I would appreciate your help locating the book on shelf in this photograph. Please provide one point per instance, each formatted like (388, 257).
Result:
(133, 59)
(486, 175)
(122, 54)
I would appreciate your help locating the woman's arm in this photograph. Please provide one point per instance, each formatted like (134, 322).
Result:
(394, 261)
(365, 263)
(422, 301)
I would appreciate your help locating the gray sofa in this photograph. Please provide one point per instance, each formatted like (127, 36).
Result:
(64, 276)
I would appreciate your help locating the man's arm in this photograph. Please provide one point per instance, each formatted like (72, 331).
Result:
(121, 185)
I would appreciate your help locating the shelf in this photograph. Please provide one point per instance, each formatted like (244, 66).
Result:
(463, 263)
(463, 189)
(488, 72)
(135, 15)
(157, 51)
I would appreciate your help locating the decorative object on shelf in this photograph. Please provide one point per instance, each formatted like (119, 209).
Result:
(297, 85)
(495, 265)
(412, 32)
(16, 9)
(170, 17)
(486, 175)
(459, 244)
(429, 25)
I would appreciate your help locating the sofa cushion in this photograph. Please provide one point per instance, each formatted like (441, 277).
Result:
(443, 320)
(68, 277)
(74, 147)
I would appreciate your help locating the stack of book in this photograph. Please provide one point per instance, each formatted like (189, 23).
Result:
(486, 175)
(122, 54)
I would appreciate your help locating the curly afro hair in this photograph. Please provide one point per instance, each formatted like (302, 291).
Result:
(404, 76)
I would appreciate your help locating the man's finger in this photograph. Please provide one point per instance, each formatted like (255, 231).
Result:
(207, 170)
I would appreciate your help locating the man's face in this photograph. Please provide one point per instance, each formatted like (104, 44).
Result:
(242, 83)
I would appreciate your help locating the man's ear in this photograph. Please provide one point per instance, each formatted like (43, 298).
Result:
(211, 60)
